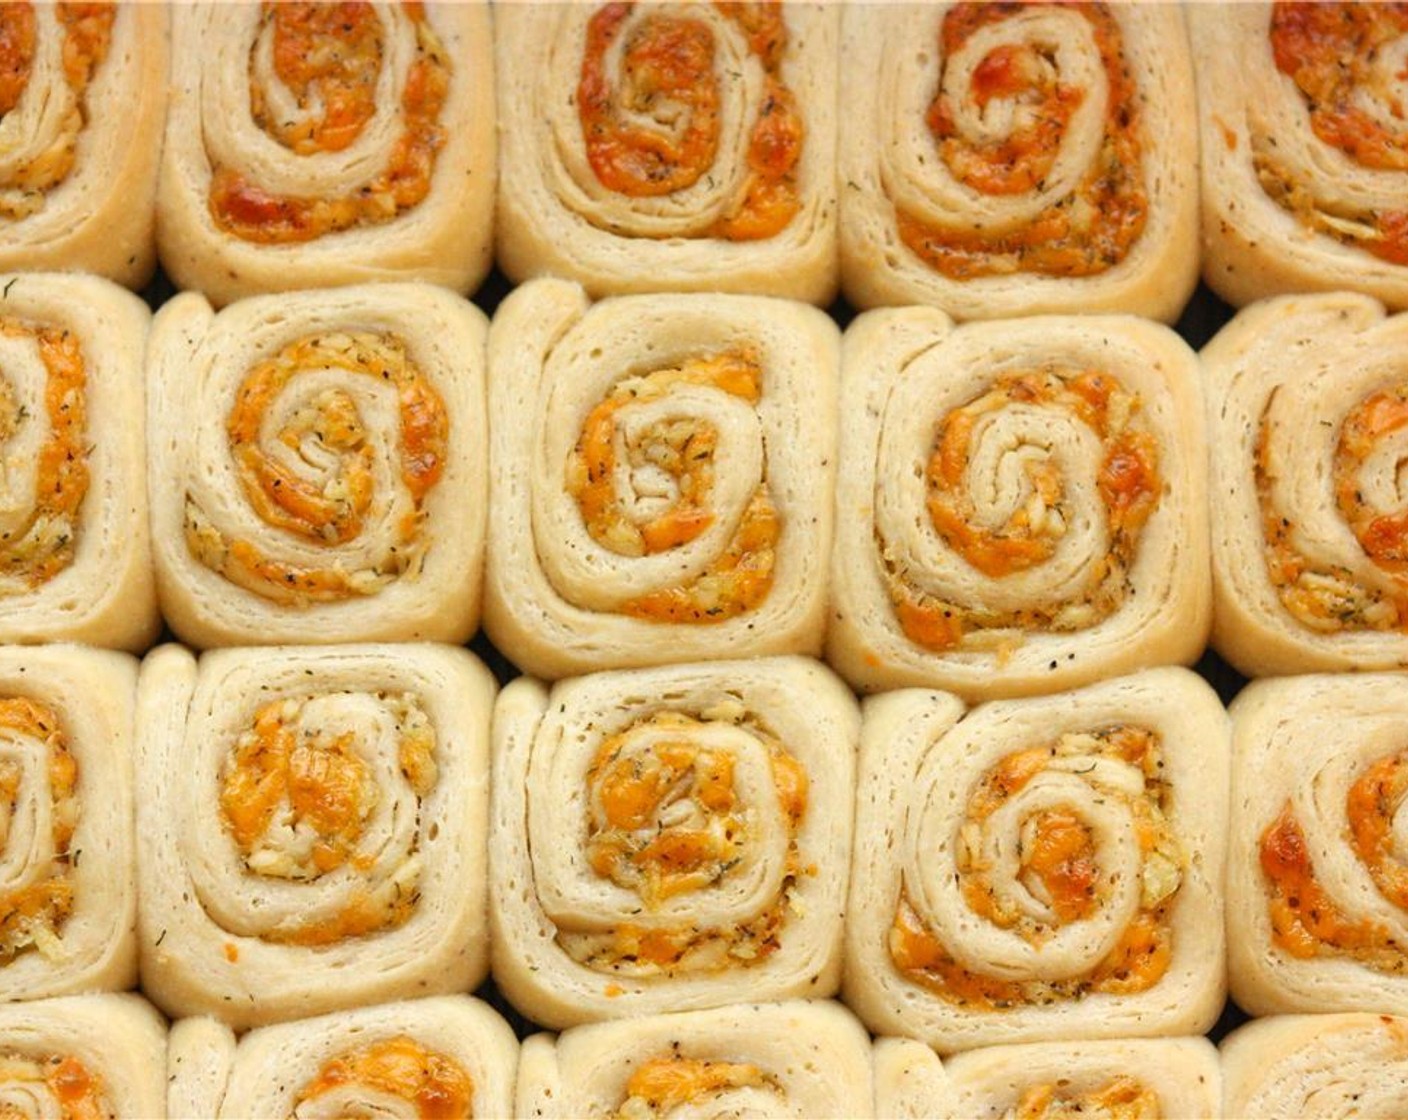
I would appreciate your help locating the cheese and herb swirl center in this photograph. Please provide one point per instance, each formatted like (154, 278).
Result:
(51, 1085)
(393, 1076)
(661, 1085)
(314, 74)
(1036, 109)
(1065, 868)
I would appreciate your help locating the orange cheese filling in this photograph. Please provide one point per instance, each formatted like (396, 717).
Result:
(437, 1086)
(1120, 1098)
(330, 510)
(1329, 51)
(667, 819)
(78, 1091)
(43, 546)
(683, 449)
(329, 57)
(33, 916)
(1128, 483)
(668, 67)
(1332, 598)
(296, 799)
(1305, 919)
(1057, 865)
(1087, 232)
(87, 31)
(662, 1084)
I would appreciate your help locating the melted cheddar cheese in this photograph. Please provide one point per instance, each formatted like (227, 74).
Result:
(329, 56)
(435, 1086)
(33, 915)
(660, 1085)
(1083, 234)
(667, 64)
(680, 451)
(77, 1091)
(1056, 868)
(331, 508)
(667, 819)
(1128, 483)
(1120, 1098)
(87, 32)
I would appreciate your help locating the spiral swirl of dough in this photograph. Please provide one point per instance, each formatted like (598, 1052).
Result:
(1309, 553)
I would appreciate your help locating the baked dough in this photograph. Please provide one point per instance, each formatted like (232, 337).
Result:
(1307, 401)
(670, 839)
(68, 876)
(1317, 919)
(1316, 1067)
(314, 148)
(317, 466)
(1002, 160)
(1022, 506)
(1299, 194)
(311, 834)
(80, 132)
(1174, 1077)
(1040, 870)
(94, 1055)
(766, 1060)
(449, 1053)
(663, 470)
(75, 552)
(685, 147)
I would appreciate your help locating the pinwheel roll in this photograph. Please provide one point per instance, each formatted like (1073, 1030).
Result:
(669, 147)
(312, 828)
(82, 102)
(1149, 1078)
(312, 145)
(1040, 869)
(1316, 1066)
(1308, 400)
(1305, 148)
(1013, 159)
(670, 839)
(449, 1056)
(81, 1057)
(1022, 507)
(766, 1060)
(68, 886)
(662, 478)
(317, 465)
(1317, 892)
(75, 552)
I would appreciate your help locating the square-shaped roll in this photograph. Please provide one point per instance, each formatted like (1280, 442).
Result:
(1305, 162)
(446, 1056)
(670, 839)
(663, 469)
(669, 147)
(1116, 1077)
(68, 875)
(81, 113)
(83, 1056)
(1014, 159)
(75, 548)
(314, 145)
(1317, 1067)
(317, 465)
(788, 1059)
(1021, 506)
(1317, 907)
(312, 827)
(1040, 870)
(1308, 411)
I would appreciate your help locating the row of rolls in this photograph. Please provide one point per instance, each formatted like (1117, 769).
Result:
(989, 159)
(995, 509)
(318, 828)
(328, 847)
(452, 1057)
